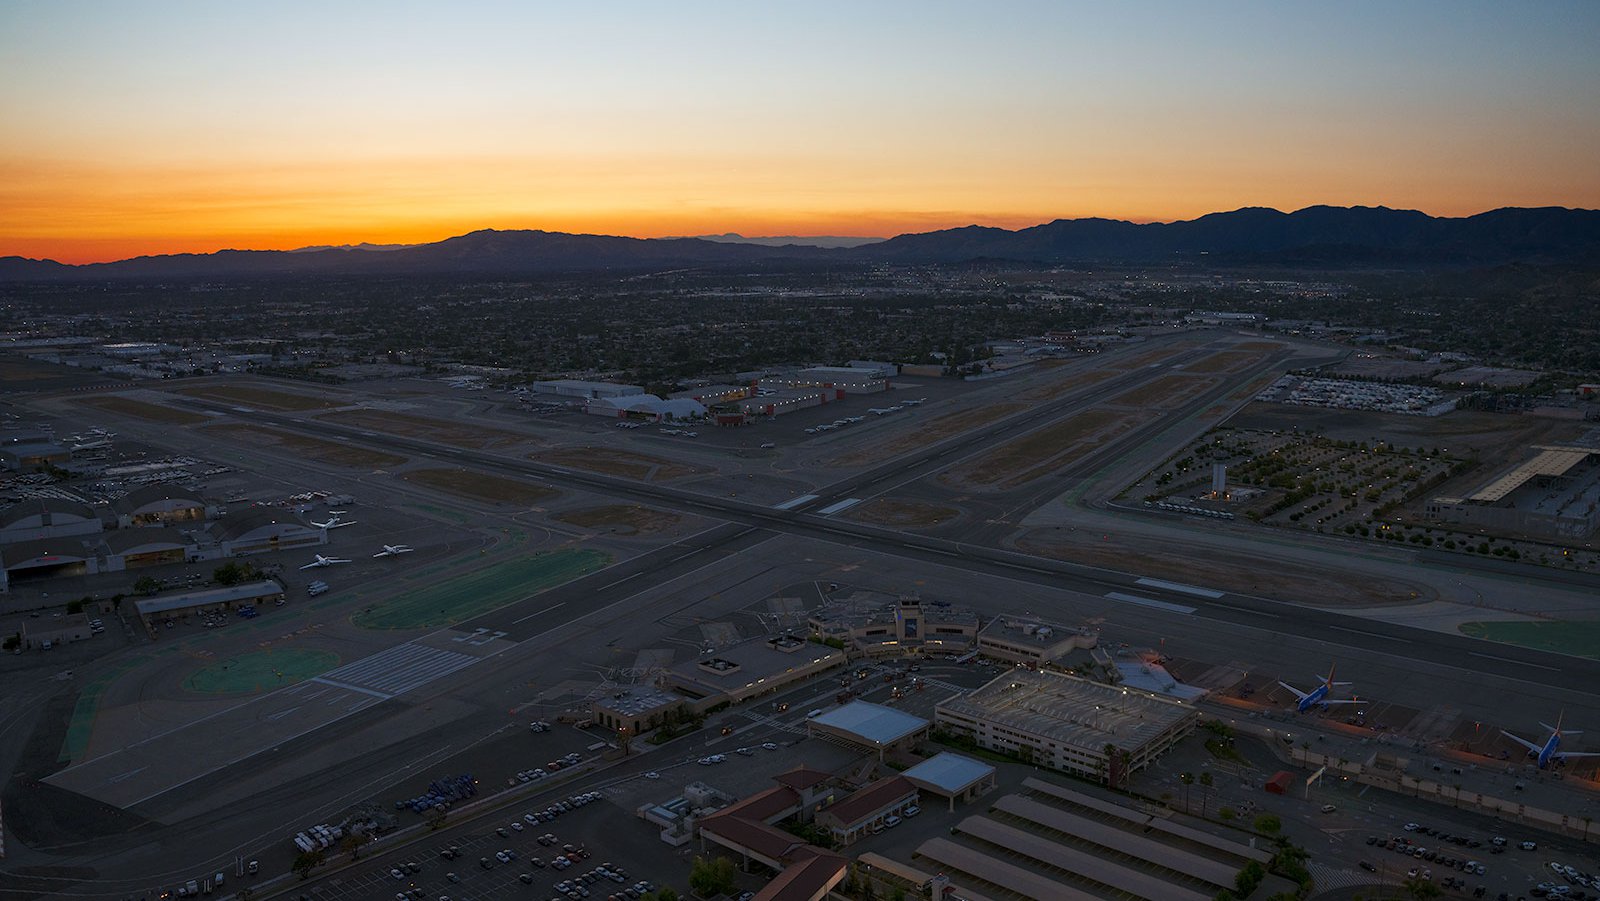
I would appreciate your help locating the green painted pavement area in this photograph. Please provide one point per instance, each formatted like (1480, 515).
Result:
(1580, 638)
(480, 591)
(260, 670)
(87, 707)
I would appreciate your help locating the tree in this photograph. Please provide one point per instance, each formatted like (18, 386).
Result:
(1187, 779)
(75, 606)
(1206, 781)
(708, 878)
(147, 585)
(1268, 824)
(306, 861)
(1420, 889)
(666, 893)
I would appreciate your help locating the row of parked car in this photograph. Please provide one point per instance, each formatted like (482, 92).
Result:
(1409, 848)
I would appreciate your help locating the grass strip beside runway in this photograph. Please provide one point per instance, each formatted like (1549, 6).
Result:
(261, 670)
(478, 592)
(1579, 638)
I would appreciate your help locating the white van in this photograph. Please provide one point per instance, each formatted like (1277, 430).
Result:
(814, 714)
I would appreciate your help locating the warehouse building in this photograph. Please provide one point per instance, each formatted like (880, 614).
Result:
(32, 456)
(840, 378)
(742, 671)
(154, 611)
(46, 558)
(710, 395)
(780, 402)
(578, 390)
(646, 407)
(47, 517)
(261, 530)
(1068, 723)
(133, 548)
(1555, 494)
(161, 505)
(1032, 641)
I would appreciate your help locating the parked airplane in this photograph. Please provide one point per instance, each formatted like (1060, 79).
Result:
(1317, 697)
(394, 550)
(334, 522)
(1550, 750)
(324, 561)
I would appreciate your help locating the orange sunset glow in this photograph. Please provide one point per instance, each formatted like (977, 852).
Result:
(172, 128)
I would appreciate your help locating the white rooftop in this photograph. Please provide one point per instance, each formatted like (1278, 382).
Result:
(949, 773)
(872, 723)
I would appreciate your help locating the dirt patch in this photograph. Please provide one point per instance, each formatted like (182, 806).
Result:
(614, 462)
(1226, 361)
(480, 485)
(934, 430)
(456, 434)
(315, 448)
(628, 519)
(1051, 392)
(1046, 450)
(259, 397)
(888, 512)
(1165, 392)
(1206, 565)
(126, 406)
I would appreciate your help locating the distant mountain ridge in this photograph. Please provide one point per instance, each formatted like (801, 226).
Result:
(1318, 235)
(786, 240)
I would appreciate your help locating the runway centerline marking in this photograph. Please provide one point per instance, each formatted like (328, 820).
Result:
(540, 613)
(1514, 662)
(1147, 602)
(1370, 634)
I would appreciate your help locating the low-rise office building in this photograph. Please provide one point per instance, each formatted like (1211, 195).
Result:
(868, 809)
(871, 727)
(1032, 641)
(841, 378)
(745, 670)
(637, 709)
(1068, 723)
(72, 627)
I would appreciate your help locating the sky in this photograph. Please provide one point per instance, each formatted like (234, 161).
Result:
(131, 128)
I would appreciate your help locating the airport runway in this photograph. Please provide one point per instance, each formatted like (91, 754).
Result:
(1493, 660)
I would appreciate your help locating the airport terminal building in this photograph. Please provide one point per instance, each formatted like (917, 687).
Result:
(750, 668)
(909, 625)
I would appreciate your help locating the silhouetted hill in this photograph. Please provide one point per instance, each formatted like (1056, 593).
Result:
(1336, 235)
(1318, 235)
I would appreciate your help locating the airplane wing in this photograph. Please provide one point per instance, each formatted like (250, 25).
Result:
(1522, 741)
(1563, 755)
(383, 554)
(1300, 695)
(311, 566)
(1351, 701)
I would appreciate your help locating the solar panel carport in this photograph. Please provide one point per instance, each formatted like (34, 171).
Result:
(1080, 863)
(1120, 840)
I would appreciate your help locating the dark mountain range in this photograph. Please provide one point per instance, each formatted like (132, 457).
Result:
(1320, 235)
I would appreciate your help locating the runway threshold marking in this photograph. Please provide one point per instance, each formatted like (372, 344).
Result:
(1514, 662)
(845, 504)
(794, 502)
(1148, 602)
(1370, 634)
(540, 613)
(1179, 587)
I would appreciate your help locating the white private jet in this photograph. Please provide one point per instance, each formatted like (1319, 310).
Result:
(324, 561)
(394, 550)
(334, 522)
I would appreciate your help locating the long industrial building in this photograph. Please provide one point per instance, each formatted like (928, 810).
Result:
(1554, 494)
